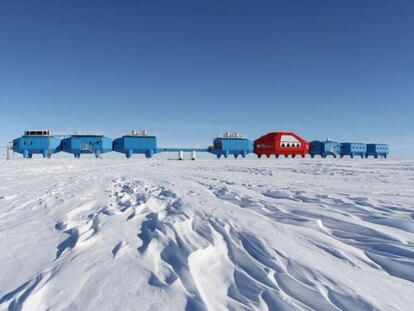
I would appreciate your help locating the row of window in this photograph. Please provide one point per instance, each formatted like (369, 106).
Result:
(360, 148)
(290, 145)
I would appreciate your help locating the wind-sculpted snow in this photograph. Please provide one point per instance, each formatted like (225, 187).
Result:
(207, 235)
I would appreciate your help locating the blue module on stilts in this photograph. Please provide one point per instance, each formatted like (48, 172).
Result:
(324, 148)
(36, 142)
(352, 149)
(233, 144)
(136, 143)
(377, 150)
(86, 144)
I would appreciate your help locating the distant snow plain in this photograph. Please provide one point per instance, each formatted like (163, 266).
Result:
(264, 234)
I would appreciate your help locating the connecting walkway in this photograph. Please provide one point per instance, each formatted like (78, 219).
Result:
(182, 150)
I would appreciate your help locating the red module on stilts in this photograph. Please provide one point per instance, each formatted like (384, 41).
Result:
(281, 143)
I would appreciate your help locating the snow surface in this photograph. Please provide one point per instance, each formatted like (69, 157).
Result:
(219, 235)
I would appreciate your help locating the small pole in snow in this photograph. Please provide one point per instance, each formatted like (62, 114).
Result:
(8, 152)
(193, 155)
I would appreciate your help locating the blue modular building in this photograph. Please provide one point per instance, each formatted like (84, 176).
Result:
(377, 150)
(136, 142)
(36, 142)
(231, 144)
(324, 148)
(86, 143)
(352, 149)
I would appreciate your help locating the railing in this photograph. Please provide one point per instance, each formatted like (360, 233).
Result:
(87, 147)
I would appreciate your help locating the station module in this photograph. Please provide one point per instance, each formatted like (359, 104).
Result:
(78, 144)
(136, 143)
(377, 151)
(324, 148)
(36, 142)
(352, 149)
(281, 143)
(231, 144)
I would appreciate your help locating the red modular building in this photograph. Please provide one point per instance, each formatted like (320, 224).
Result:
(281, 143)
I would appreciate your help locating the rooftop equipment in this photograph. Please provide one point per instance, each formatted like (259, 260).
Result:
(37, 133)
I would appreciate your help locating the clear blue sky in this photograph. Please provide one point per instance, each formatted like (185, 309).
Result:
(190, 70)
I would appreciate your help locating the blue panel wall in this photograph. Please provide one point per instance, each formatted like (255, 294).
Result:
(30, 145)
